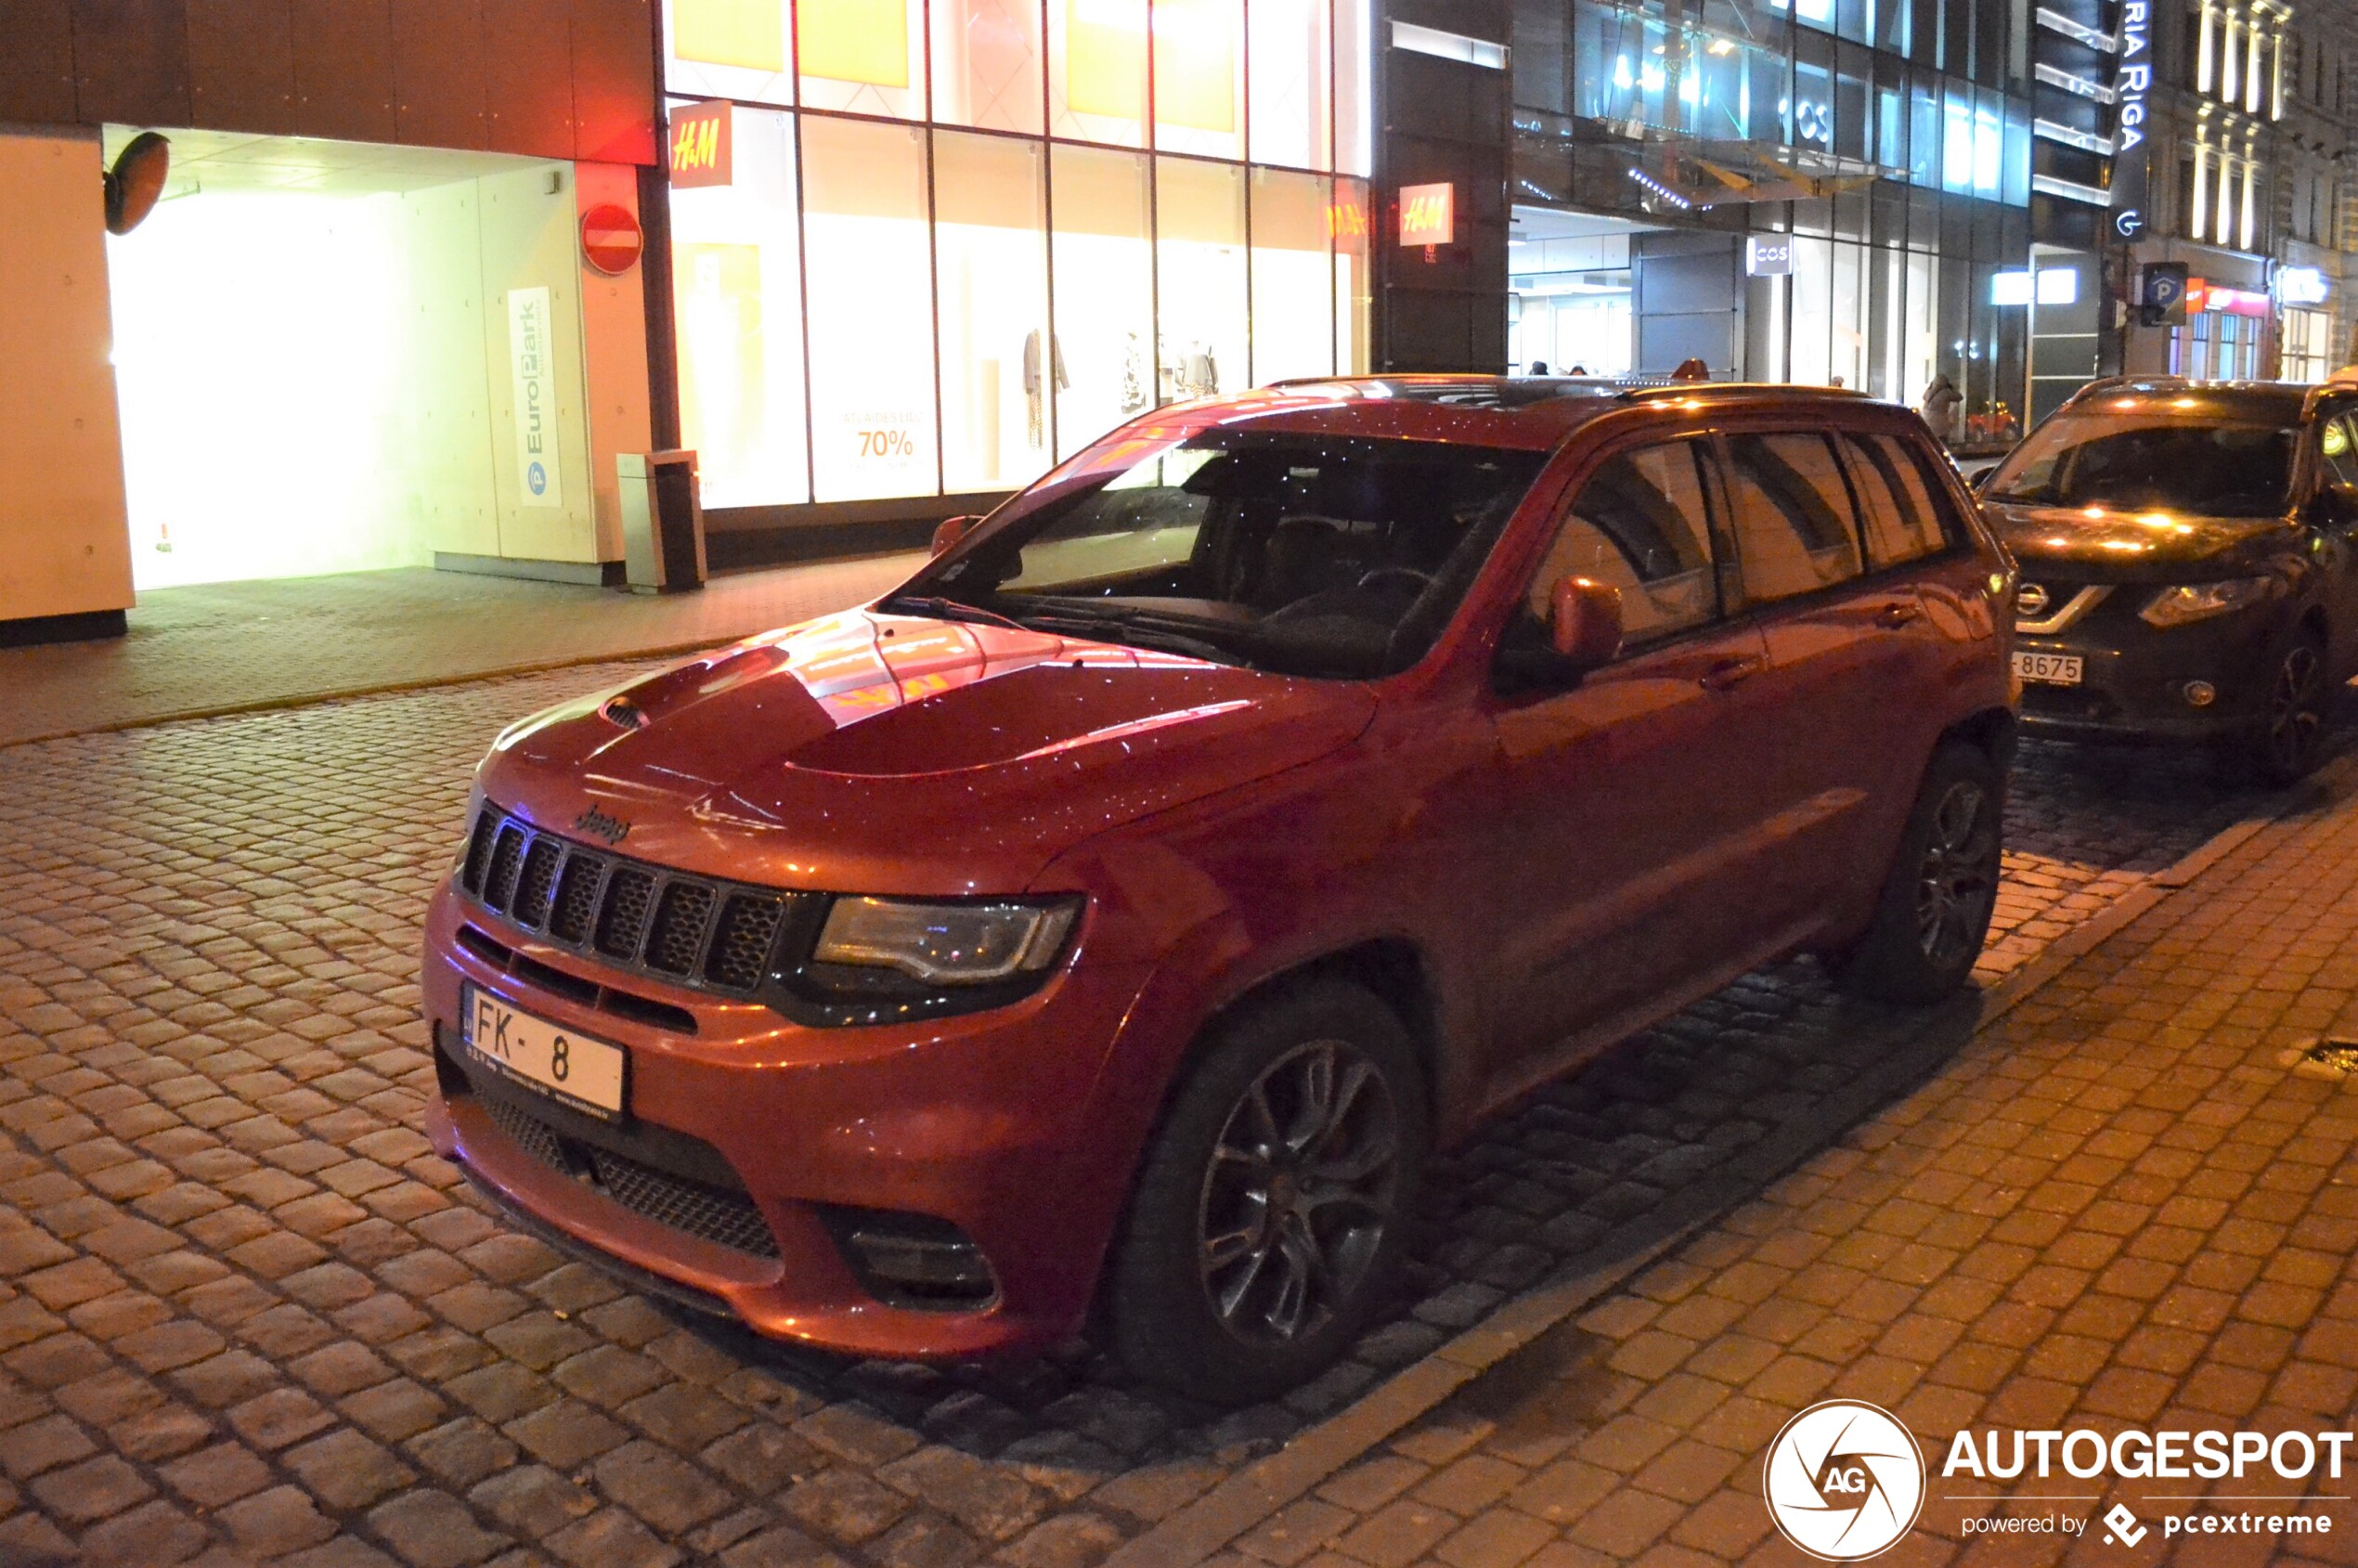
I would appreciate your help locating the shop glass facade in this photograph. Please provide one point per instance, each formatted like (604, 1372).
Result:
(1889, 139)
(963, 239)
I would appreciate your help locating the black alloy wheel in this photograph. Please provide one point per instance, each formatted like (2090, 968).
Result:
(1302, 1185)
(1957, 877)
(1269, 1218)
(2290, 745)
(1933, 913)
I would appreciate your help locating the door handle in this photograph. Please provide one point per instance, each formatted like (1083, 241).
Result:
(1898, 613)
(1730, 672)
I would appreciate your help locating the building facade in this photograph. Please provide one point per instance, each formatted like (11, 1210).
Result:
(2250, 185)
(922, 251)
(1813, 190)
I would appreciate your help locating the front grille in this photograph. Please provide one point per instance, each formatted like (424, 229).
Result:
(681, 916)
(727, 1219)
(689, 930)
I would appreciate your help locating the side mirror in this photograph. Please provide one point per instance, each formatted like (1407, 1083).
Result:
(1584, 623)
(950, 531)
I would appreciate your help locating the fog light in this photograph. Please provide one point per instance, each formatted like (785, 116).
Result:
(913, 1260)
(2200, 694)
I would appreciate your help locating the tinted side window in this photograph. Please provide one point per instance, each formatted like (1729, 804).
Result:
(1639, 525)
(1903, 521)
(1795, 530)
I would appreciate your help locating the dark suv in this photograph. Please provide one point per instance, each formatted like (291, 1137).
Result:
(1116, 914)
(2187, 568)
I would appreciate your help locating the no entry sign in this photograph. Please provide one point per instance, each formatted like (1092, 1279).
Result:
(611, 239)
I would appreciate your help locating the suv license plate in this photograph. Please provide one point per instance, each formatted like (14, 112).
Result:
(568, 1068)
(2050, 669)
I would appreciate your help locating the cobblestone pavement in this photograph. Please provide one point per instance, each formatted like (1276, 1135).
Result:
(245, 1314)
(2130, 1203)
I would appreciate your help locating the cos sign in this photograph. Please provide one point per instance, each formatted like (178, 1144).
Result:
(1768, 256)
(703, 150)
(1428, 214)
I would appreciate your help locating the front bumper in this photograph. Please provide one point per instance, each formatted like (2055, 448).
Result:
(2133, 682)
(751, 1147)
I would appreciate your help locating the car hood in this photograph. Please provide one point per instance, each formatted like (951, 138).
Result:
(2108, 545)
(897, 754)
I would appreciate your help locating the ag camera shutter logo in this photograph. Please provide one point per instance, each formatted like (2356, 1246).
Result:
(1844, 1480)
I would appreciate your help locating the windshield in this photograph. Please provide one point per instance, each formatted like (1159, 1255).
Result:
(1327, 555)
(2142, 462)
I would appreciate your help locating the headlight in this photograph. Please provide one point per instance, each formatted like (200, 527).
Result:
(945, 944)
(2199, 602)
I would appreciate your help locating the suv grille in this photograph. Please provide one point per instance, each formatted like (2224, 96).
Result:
(689, 930)
(728, 1218)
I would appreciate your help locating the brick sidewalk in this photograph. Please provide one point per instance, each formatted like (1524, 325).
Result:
(243, 1311)
(228, 646)
(2119, 1208)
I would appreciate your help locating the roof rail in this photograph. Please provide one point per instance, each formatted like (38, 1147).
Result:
(2114, 384)
(1677, 390)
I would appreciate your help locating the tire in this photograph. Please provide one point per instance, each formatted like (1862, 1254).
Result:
(2292, 738)
(1268, 1223)
(1934, 912)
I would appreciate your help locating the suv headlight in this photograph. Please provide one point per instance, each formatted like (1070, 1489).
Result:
(946, 944)
(2199, 602)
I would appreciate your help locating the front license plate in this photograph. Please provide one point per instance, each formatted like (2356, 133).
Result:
(572, 1068)
(2050, 670)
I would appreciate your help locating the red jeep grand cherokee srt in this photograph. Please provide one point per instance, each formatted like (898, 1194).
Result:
(1116, 914)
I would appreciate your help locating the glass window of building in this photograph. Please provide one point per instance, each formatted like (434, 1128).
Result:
(1351, 221)
(864, 56)
(1103, 253)
(987, 56)
(1199, 77)
(1292, 121)
(1354, 52)
(1199, 278)
(1293, 272)
(1097, 70)
(1000, 363)
(728, 49)
(871, 318)
(737, 281)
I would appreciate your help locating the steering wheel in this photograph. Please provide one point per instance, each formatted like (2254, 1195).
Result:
(1417, 581)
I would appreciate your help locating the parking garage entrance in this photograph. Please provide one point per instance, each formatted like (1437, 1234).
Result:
(338, 356)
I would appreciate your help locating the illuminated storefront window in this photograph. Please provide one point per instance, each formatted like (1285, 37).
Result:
(1200, 212)
(737, 272)
(999, 360)
(1291, 121)
(1104, 251)
(987, 56)
(963, 239)
(870, 286)
(1199, 77)
(1291, 260)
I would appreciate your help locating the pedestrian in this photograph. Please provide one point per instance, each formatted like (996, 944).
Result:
(1539, 367)
(1940, 406)
(1691, 369)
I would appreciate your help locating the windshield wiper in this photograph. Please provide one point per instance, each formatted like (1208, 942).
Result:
(938, 608)
(1144, 634)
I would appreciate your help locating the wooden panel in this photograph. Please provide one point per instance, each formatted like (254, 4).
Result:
(131, 61)
(65, 539)
(36, 62)
(344, 69)
(437, 73)
(528, 52)
(614, 80)
(241, 65)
